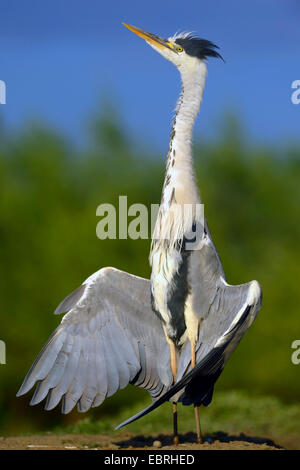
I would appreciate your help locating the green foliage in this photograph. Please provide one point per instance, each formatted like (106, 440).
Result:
(48, 246)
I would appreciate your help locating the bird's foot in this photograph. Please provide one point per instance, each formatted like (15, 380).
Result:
(175, 440)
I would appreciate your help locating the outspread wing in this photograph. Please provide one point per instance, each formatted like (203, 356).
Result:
(108, 338)
(218, 304)
(226, 313)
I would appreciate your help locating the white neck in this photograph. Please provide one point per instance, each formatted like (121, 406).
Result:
(180, 186)
(193, 83)
(180, 168)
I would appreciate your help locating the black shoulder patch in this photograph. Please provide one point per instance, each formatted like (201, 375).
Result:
(177, 296)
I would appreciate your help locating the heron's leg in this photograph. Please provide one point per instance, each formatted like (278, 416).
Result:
(174, 372)
(196, 408)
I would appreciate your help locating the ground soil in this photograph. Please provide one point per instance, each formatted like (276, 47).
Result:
(128, 441)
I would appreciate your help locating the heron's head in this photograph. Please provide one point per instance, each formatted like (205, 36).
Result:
(184, 50)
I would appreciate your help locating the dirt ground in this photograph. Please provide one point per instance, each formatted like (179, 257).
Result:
(129, 441)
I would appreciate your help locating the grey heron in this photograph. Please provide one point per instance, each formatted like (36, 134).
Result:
(172, 334)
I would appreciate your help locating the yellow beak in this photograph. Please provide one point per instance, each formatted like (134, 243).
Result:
(150, 38)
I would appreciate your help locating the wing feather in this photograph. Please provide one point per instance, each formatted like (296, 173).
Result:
(216, 303)
(108, 338)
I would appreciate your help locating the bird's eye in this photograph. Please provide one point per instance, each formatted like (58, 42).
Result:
(179, 49)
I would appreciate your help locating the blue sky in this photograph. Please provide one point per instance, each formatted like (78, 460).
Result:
(58, 58)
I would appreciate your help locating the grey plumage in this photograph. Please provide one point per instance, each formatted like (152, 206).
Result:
(108, 338)
(70, 300)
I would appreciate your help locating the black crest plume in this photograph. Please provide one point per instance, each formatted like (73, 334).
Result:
(197, 47)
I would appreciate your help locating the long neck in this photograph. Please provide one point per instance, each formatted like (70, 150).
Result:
(180, 169)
